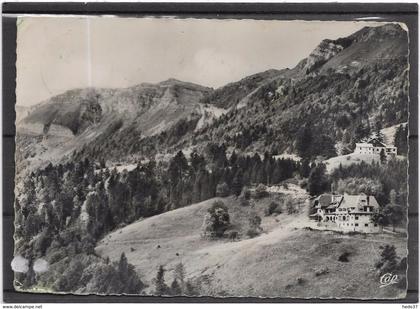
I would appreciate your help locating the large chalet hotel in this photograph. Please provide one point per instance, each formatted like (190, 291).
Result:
(374, 146)
(348, 213)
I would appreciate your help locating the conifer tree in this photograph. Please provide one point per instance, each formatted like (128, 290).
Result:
(160, 286)
(123, 268)
(318, 181)
(304, 141)
(180, 273)
(382, 156)
(237, 183)
(388, 261)
(175, 288)
(401, 139)
(393, 212)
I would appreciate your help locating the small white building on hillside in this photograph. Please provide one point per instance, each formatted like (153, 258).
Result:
(375, 147)
(348, 213)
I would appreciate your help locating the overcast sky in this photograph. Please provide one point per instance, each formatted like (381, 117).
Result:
(55, 54)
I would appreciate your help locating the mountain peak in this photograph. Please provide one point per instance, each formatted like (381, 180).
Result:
(387, 31)
(173, 82)
(364, 47)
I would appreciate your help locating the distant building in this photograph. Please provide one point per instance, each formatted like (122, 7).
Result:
(375, 146)
(347, 212)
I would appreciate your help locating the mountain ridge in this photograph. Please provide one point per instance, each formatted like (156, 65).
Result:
(342, 84)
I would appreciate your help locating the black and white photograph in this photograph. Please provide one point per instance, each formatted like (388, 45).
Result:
(204, 157)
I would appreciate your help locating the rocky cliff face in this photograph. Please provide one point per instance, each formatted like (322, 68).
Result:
(146, 103)
(75, 110)
(232, 94)
(324, 52)
(110, 120)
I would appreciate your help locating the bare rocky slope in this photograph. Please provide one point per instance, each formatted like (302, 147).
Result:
(102, 119)
(153, 106)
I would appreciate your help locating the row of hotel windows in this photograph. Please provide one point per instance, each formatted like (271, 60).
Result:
(356, 224)
(345, 209)
(378, 149)
(364, 208)
(342, 218)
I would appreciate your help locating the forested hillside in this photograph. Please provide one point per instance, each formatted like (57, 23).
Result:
(63, 210)
(335, 96)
